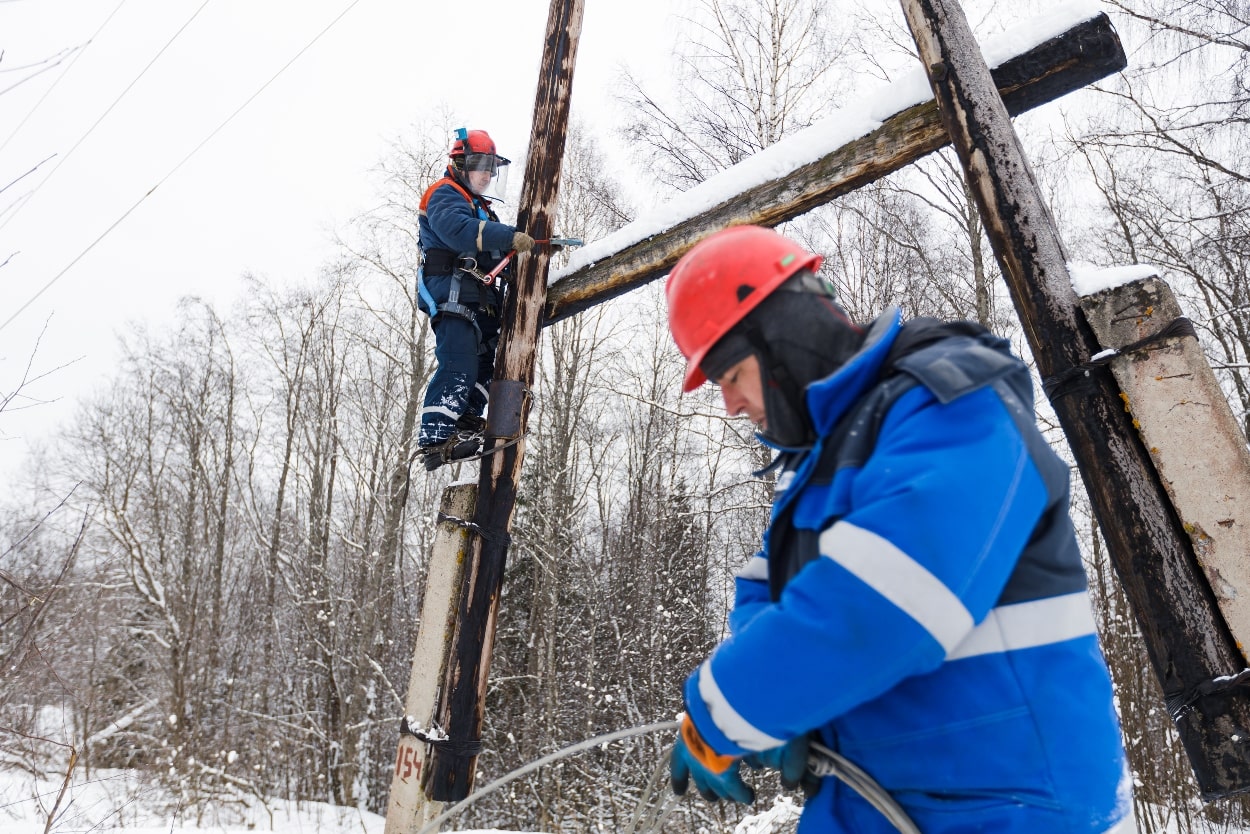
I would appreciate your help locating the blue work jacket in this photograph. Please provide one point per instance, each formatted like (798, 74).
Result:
(930, 620)
(451, 221)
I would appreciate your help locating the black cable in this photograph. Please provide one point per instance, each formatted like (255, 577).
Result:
(1181, 702)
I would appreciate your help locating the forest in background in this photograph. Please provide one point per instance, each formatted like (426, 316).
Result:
(214, 574)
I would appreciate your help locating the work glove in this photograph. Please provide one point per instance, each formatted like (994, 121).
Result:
(715, 776)
(790, 760)
(522, 242)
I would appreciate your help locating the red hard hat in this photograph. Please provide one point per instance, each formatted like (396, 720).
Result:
(721, 279)
(478, 141)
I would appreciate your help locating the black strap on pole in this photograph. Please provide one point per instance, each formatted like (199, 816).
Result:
(1074, 379)
(1181, 702)
(487, 535)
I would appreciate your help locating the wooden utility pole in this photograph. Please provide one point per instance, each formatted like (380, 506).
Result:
(464, 684)
(1187, 640)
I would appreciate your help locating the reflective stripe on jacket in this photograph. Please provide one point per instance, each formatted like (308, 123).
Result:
(937, 631)
(451, 218)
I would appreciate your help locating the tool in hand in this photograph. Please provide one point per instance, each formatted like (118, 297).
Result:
(555, 242)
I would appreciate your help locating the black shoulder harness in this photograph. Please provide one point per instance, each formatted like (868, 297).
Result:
(791, 548)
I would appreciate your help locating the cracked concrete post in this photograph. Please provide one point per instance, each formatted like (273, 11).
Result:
(1191, 433)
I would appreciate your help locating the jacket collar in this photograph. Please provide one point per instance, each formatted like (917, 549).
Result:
(829, 398)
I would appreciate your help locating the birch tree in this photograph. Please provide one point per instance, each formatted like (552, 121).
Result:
(748, 73)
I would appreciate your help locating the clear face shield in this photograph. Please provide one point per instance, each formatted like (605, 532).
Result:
(486, 174)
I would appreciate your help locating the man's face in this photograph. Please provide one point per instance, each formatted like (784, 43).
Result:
(478, 181)
(743, 392)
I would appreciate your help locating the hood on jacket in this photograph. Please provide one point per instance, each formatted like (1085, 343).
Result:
(800, 335)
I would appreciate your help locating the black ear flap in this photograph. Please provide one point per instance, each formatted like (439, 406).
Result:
(788, 423)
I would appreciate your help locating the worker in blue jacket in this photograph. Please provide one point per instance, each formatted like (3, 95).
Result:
(919, 605)
(461, 241)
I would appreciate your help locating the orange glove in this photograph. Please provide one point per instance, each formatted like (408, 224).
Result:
(715, 776)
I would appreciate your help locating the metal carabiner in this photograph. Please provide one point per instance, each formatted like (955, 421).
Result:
(469, 265)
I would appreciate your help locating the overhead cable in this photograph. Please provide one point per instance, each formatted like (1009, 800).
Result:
(78, 51)
(175, 169)
(109, 109)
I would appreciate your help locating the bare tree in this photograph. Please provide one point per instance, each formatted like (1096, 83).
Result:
(750, 72)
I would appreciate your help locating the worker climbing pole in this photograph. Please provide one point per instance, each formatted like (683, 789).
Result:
(440, 732)
(449, 773)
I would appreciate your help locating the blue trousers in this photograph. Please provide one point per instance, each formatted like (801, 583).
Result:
(465, 353)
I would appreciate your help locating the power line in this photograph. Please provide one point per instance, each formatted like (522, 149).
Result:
(18, 179)
(26, 197)
(78, 54)
(45, 65)
(184, 161)
(607, 738)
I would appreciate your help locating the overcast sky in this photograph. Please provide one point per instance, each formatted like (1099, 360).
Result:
(266, 193)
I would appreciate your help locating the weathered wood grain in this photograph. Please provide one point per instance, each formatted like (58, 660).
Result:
(1078, 57)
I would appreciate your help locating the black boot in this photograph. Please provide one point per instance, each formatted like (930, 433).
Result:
(459, 446)
(471, 423)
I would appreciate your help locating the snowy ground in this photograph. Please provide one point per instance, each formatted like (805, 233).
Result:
(122, 802)
(107, 801)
